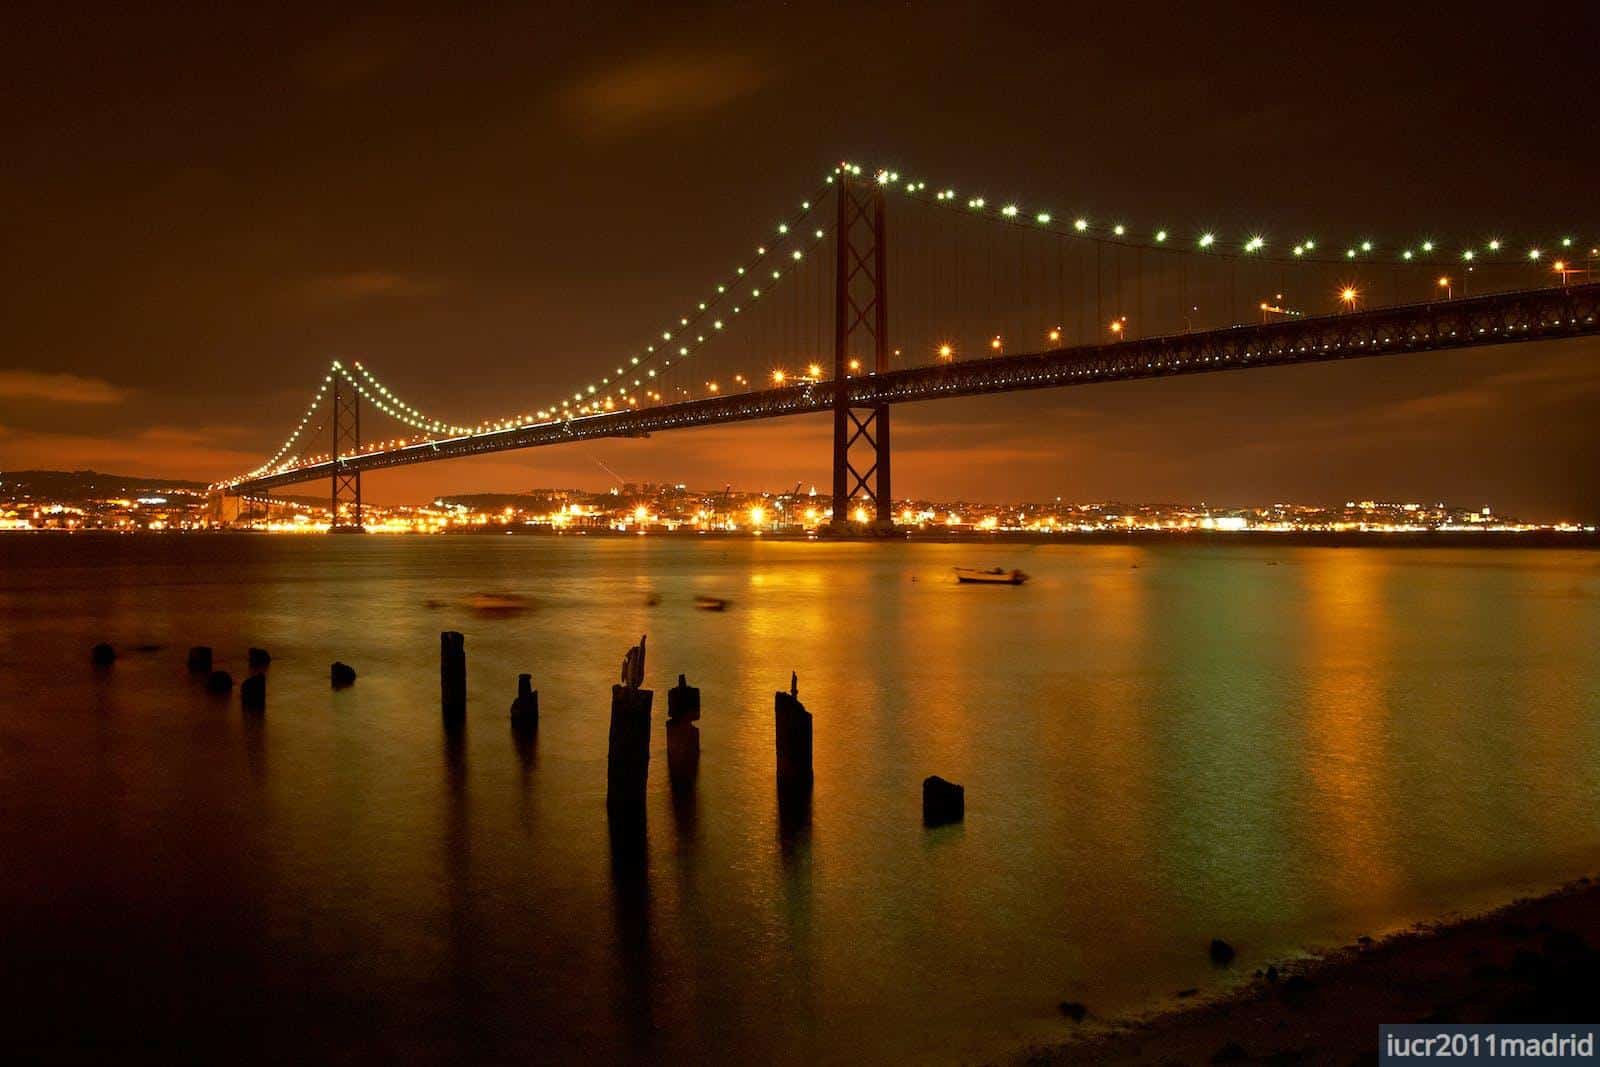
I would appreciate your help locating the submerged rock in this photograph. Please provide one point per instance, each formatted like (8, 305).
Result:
(1221, 952)
(342, 675)
(102, 655)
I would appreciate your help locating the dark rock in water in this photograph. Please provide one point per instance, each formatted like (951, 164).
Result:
(1221, 952)
(1186, 993)
(683, 701)
(1297, 983)
(1272, 974)
(200, 659)
(102, 655)
(1232, 1052)
(342, 674)
(1072, 1010)
(219, 682)
(942, 802)
(1363, 940)
(525, 709)
(260, 659)
(253, 692)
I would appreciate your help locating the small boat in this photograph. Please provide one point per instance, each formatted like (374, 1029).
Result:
(710, 603)
(992, 576)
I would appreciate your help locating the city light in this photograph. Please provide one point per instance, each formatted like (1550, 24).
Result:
(948, 353)
(758, 515)
(814, 370)
(1349, 295)
(995, 343)
(855, 364)
(778, 377)
(1055, 334)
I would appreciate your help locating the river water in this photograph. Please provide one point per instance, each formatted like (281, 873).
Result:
(1286, 747)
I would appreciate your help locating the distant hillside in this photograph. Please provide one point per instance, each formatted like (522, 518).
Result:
(88, 485)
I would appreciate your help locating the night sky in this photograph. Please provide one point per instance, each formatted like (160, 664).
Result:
(202, 209)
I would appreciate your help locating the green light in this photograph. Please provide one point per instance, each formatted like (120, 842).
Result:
(1080, 225)
(1206, 239)
(1161, 235)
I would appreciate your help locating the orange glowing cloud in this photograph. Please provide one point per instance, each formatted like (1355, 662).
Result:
(58, 388)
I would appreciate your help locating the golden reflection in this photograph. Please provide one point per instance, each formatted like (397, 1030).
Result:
(1347, 719)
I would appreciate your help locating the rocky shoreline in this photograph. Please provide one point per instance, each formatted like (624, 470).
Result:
(1534, 960)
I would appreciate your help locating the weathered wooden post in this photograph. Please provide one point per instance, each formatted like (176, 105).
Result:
(525, 709)
(794, 739)
(260, 659)
(219, 682)
(253, 693)
(942, 801)
(628, 755)
(452, 674)
(683, 736)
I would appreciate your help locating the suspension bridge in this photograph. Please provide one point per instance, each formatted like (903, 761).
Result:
(987, 298)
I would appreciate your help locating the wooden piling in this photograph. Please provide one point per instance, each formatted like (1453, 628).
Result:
(525, 709)
(452, 674)
(793, 723)
(253, 693)
(628, 754)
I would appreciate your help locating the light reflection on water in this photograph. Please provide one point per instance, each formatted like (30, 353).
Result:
(1286, 747)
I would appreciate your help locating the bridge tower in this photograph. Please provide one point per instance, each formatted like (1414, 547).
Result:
(346, 440)
(861, 321)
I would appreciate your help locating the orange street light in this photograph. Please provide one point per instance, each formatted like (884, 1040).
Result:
(855, 364)
(778, 377)
(1445, 284)
(1055, 334)
(1349, 295)
(946, 352)
(995, 344)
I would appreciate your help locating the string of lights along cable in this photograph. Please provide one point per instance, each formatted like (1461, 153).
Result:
(967, 277)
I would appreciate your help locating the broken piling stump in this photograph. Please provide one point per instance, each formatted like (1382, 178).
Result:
(452, 674)
(793, 723)
(525, 709)
(200, 659)
(253, 693)
(683, 736)
(102, 655)
(628, 751)
(683, 701)
(260, 659)
(219, 682)
(342, 675)
(942, 802)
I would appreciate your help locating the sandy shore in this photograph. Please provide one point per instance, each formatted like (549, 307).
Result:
(1535, 960)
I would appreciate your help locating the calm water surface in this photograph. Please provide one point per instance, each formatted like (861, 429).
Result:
(1286, 747)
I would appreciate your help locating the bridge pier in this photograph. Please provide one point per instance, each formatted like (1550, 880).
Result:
(862, 498)
(346, 480)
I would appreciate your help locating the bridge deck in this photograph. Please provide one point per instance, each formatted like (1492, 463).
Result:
(1501, 318)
